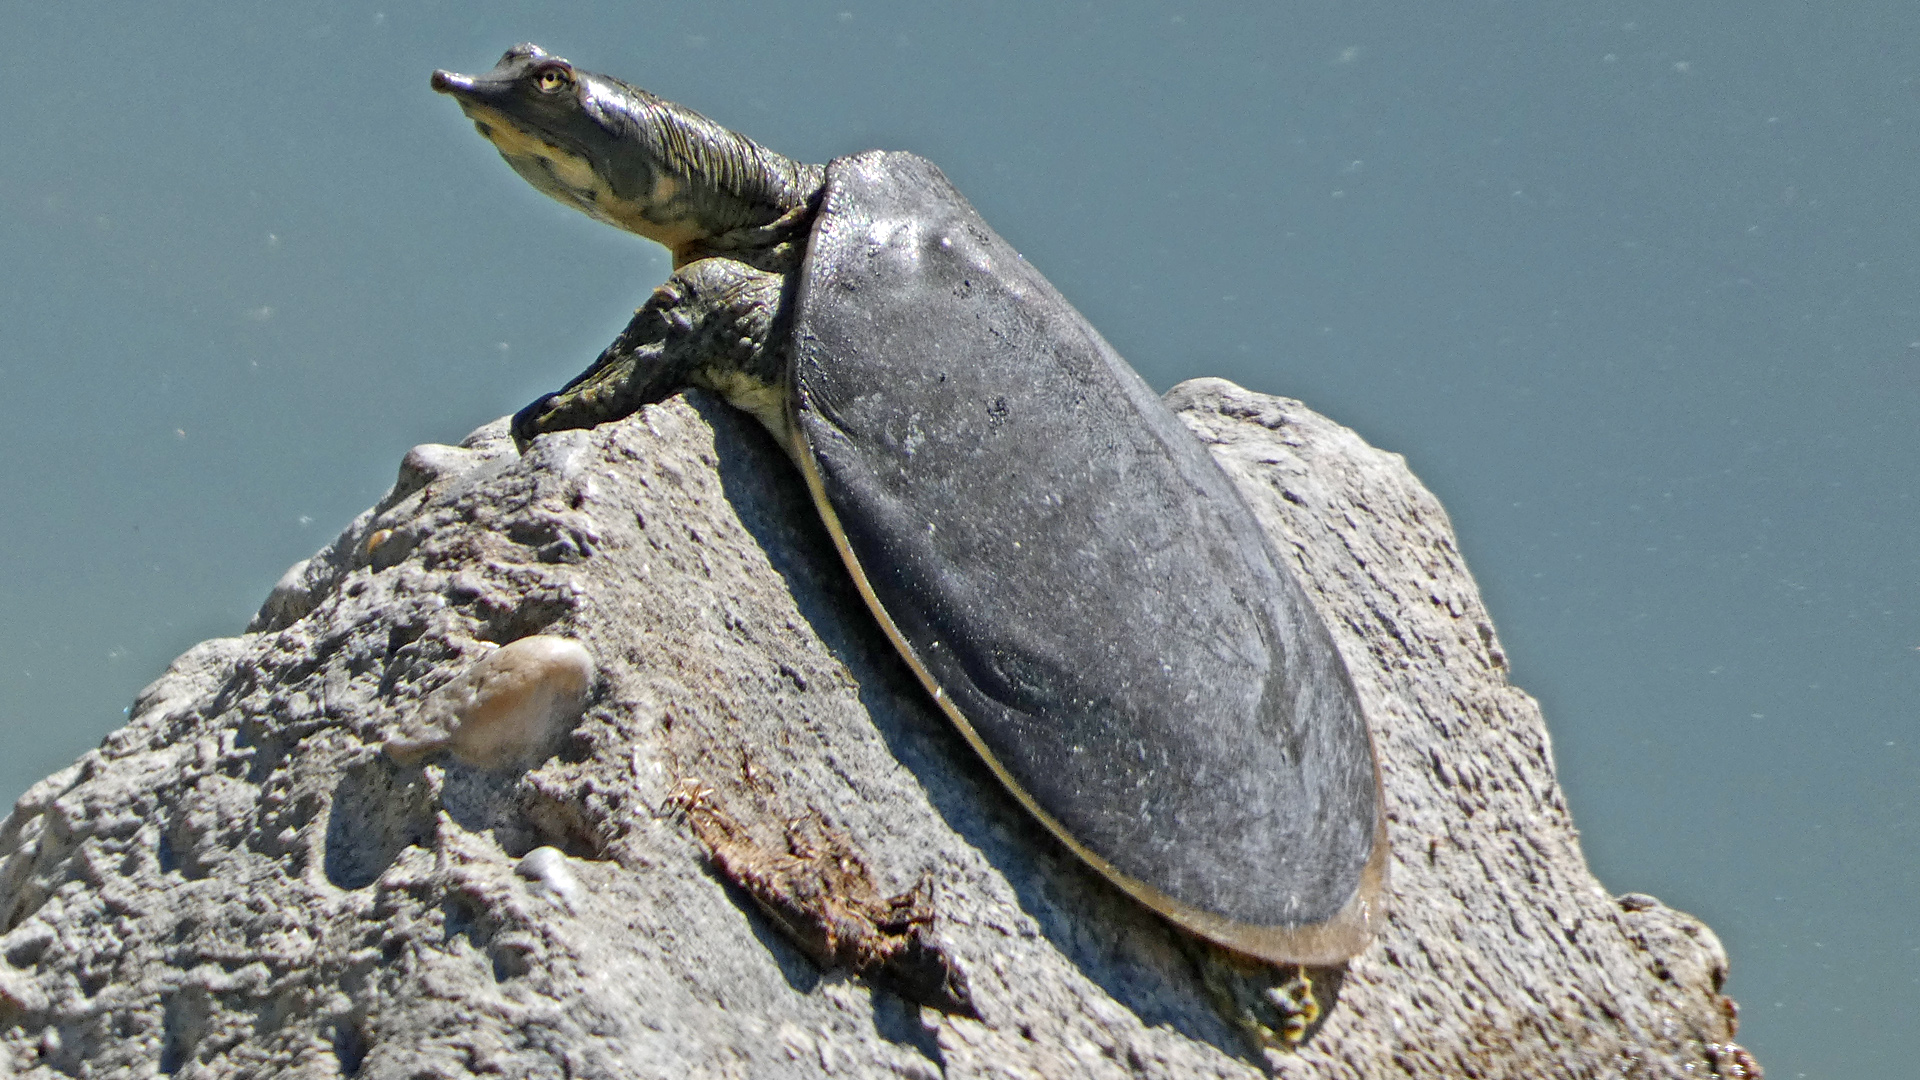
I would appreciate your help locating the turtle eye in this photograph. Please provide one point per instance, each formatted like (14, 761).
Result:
(553, 80)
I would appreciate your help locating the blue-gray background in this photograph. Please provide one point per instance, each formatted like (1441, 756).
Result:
(1633, 286)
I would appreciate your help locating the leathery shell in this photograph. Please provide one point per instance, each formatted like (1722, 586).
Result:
(1075, 580)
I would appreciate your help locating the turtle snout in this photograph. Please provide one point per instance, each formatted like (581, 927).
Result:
(448, 82)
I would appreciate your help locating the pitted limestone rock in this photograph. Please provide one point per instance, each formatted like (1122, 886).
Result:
(240, 883)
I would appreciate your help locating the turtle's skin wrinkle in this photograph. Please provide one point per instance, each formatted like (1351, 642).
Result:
(1304, 880)
(633, 160)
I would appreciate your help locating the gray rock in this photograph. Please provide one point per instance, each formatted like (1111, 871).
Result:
(239, 883)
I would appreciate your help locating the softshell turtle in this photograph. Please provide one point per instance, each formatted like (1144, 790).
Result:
(1077, 584)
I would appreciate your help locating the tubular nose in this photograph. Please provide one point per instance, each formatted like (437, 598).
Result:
(448, 82)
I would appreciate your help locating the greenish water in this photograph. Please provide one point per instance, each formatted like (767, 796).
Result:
(1633, 286)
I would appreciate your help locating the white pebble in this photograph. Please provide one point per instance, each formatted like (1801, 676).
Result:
(509, 708)
(547, 869)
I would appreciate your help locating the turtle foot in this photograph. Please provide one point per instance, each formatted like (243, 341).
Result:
(528, 421)
(1278, 1007)
(604, 392)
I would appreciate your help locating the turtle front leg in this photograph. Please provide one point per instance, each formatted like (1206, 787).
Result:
(711, 324)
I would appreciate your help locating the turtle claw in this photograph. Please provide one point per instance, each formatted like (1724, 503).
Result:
(616, 384)
(531, 421)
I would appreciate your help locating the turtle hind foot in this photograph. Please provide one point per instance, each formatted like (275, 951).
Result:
(1277, 1006)
(821, 893)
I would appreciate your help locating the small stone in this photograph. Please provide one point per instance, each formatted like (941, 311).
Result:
(509, 708)
(428, 462)
(547, 868)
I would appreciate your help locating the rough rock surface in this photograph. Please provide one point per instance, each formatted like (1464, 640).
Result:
(239, 883)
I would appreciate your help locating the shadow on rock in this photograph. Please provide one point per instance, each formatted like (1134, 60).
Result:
(377, 811)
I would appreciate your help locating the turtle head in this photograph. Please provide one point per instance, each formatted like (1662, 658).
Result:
(624, 156)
